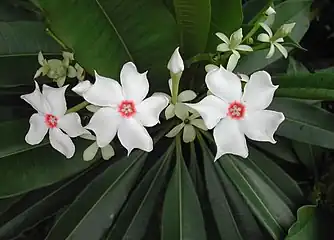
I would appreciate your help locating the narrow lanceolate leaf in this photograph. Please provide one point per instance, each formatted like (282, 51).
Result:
(305, 123)
(135, 216)
(105, 34)
(194, 170)
(182, 215)
(194, 19)
(94, 210)
(317, 86)
(233, 217)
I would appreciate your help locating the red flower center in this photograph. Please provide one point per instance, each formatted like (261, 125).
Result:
(236, 110)
(50, 120)
(127, 108)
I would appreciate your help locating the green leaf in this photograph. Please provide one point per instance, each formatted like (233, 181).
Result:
(182, 215)
(296, 67)
(135, 216)
(253, 9)
(317, 86)
(96, 207)
(105, 34)
(194, 19)
(305, 123)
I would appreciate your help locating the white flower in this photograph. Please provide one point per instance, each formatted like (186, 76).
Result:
(51, 117)
(270, 11)
(123, 109)
(188, 125)
(175, 63)
(90, 152)
(270, 16)
(234, 45)
(212, 67)
(275, 40)
(234, 115)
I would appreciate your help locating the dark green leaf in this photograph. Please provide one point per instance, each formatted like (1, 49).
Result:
(296, 67)
(253, 9)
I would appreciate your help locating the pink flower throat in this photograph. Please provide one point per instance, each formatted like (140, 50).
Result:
(236, 110)
(50, 120)
(127, 108)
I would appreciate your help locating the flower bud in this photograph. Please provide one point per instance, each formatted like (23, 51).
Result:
(175, 63)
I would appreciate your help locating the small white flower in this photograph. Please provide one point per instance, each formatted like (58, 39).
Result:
(175, 63)
(188, 125)
(234, 115)
(270, 11)
(51, 117)
(270, 16)
(90, 152)
(212, 67)
(123, 109)
(232, 45)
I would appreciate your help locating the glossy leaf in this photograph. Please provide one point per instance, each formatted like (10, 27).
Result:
(253, 9)
(106, 34)
(96, 207)
(194, 19)
(305, 123)
(182, 215)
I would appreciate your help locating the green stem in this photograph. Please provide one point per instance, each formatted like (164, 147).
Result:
(175, 86)
(199, 58)
(77, 107)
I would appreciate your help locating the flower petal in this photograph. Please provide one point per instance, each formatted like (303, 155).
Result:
(148, 111)
(261, 125)
(229, 139)
(88, 136)
(224, 84)
(104, 92)
(90, 152)
(61, 142)
(244, 48)
(92, 108)
(199, 123)
(60, 81)
(223, 47)
(181, 111)
(281, 49)
(107, 152)
(271, 51)
(175, 130)
(259, 91)
(170, 111)
(135, 85)
(104, 124)
(133, 135)
(236, 38)
(189, 133)
(56, 99)
(212, 109)
(210, 67)
(263, 37)
(232, 62)
(37, 100)
(71, 72)
(186, 96)
(71, 124)
(175, 63)
(37, 130)
(267, 29)
(223, 37)
(82, 87)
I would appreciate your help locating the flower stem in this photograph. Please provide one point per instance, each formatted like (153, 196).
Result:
(200, 57)
(77, 107)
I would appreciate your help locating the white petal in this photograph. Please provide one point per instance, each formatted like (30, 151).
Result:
(236, 37)
(267, 29)
(175, 63)
(37, 130)
(259, 91)
(71, 124)
(181, 111)
(243, 77)
(224, 84)
(170, 111)
(41, 59)
(271, 51)
(37, 100)
(223, 37)
(199, 123)
(281, 49)
(170, 85)
(244, 48)
(270, 11)
(39, 72)
(104, 92)
(261, 125)
(88, 136)
(279, 40)
(92, 108)
(263, 37)
(229, 139)
(223, 47)
(56, 99)
(189, 133)
(212, 109)
(232, 62)
(148, 111)
(186, 96)
(90, 152)
(210, 67)
(175, 130)
(133, 135)
(61, 142)
(104, 124)
(107, 152)
(82, 87)
(135, 85)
